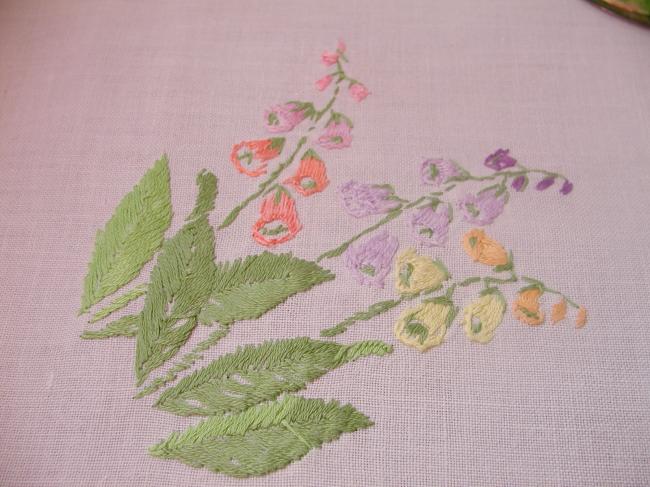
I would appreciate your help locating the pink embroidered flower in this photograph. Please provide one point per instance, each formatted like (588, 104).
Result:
(501, 159)
(323, 83)
(278, 221)
(358, 91)
(370, 261)
(249, 157)
(336, 136)
(283, 118)
(311, 176)
(482, 208)
(435, 172)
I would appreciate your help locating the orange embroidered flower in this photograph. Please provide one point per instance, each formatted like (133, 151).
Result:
(558, 312)
(526, 307)
(278, 221)
(311, 176)
(249, 157)
(581, 319)
(483, 249)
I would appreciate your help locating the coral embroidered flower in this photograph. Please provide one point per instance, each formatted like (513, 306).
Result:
(435, 172)
(581, 318)
(358, 91)
(311, 176)
(482, 208)
(526, 308)
(370, 260)
(558, 311)
(415, 273)
(250, 157)
(519, 183)
(545, 183)
(500, 160)
(483, 249)
(278, 221)
(431, 226)
(323, 83)
(483, 317)
(361, 200)
(425, 326)
(283, 118)
(336, 136)
(567, 187)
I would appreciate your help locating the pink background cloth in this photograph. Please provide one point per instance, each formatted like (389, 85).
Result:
(93, 92)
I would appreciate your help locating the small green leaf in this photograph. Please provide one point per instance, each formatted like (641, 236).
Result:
(126, 326)
(261, 439)
(254, 374)
(130, 237)
(246, 289)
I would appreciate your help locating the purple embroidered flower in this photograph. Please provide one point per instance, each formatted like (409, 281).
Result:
(336, 136)
(567, 187)
(500, 160)
(482, 208)
(435, 172)
(283, 118)
(370, 261)
(361, 200)
(519, 183)
(431, 227)
(545, 183)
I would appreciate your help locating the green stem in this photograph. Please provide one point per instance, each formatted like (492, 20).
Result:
(508, 174)
(550, 291)
(232, 216)
(373, 310)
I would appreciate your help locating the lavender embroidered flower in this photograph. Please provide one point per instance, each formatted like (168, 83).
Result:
(567, 187)
(500, 160)
(519, 183)
(370, 261)
(545, 183)
(336, 136)
(435, 172)
(283, 118)
(431, 227)
(361, 200)
(481, 209)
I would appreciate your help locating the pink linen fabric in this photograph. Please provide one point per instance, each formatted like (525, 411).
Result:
(93, 92)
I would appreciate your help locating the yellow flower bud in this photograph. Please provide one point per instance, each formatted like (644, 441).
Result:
(415, 273)
(482, 317)
(424, 326)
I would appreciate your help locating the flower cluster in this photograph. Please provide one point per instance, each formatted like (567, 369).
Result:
(278, 220)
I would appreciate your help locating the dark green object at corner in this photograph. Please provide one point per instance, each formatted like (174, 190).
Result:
(637, 10)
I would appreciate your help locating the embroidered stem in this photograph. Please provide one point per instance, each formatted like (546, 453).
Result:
(232, 216)
(550, 291)
(373, 310)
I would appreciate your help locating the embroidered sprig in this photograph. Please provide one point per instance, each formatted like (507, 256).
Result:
(279, 221)
(432, 214)
(424, 326)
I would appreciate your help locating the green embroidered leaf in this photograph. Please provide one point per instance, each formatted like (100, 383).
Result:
(246, 289)
(119, 303)
(254, 374)
(180, 283)
(131, 236)
(126, 326)
(261, 439)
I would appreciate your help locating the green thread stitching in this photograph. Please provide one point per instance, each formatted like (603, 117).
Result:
(180, 284)
(119, 303)
(126, 326)
(261, 439)
(130, 237)
(373, 310)
(246, 289)
(254, 374)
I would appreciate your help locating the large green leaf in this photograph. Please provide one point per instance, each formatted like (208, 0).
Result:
(254, 374)
(246, 289)
(261, 439)
(131, 236)
(180, 283)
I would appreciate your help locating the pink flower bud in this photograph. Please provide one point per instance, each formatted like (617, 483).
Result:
(358, 91)
(323, 83)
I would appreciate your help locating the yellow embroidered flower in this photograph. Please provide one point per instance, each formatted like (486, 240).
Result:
(558, 312)
(483, 249)
(581, 319)
(425, 326)
(526, 307)
(482, 317)
(415, 273)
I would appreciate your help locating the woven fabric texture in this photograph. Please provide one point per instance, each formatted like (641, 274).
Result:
(93, 92)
